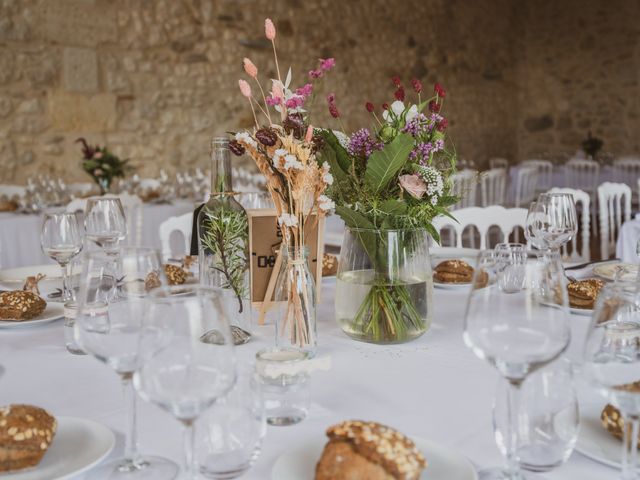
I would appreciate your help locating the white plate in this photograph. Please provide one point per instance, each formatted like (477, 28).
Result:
(581, 311)
(608, 270)
(443, 463)
(78, 445)
(52, 312)
(451, 286)
(594, 441)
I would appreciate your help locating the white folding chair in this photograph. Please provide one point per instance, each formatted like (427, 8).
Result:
(583, 175)
(545, 172)
(464, 185)
(498, 162)
(132, 206)
(506, 219)
(625, 170)
(526, 182)
(613, 198)
(182, 224)
(493, 184)
(247, 181)
(11, 191)
(583, 201)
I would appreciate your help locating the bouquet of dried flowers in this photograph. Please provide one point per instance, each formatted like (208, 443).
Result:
(102, 165)
(392, 177)
(285, 154)
(592, 145)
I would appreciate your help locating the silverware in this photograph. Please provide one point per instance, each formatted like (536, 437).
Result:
(583, 265)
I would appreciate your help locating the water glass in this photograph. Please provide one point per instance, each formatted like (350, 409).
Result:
(284, 380)
(558, 223)
(230, 433)
(547, 417)
(532, 226)
(70, 312)
(105, 222)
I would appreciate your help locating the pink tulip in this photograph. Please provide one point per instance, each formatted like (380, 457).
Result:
(245, 89)
(250, 68)
(269, 29)
(309, 135)
(413, 185)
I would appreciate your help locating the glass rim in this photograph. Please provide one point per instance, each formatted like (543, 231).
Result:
(303, 355)
(169, 291)
(124, 248)
(386, 230)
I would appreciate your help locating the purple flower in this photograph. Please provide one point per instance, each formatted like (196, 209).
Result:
(418, 125)
(362, 145)
(295, 101)
(273, 101)
(305, 91)
(327, 64)
(315, 74)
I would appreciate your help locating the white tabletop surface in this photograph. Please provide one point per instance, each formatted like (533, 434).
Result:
(433, 387)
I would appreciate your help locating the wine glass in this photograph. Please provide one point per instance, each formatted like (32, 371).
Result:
(61, 239)
(108, 324)
(516, 326)
(105, 222)
(180, 372)
(532, 226)
(612, 361)
(558, 223)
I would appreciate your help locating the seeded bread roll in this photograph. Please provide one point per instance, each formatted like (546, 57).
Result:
(26, 432)
(611, 418)
(329, 265)
(583, 293)
(368, 451)
(453, 271)
(175, 274)
(20, 305)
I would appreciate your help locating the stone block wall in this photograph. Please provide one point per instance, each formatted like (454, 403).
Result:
(154, 79)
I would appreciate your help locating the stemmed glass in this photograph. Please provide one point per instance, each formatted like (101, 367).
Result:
(180, 372)
(61, 239)
(532, 226)
(517, 320)
(105, 222)
(111, 303)
(612, 361)
(557, 221)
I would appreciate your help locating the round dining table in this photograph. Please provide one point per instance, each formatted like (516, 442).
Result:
(433, 388)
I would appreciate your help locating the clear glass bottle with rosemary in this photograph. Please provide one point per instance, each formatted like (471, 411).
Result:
(223, 235)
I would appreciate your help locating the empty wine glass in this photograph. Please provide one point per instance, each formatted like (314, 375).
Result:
(558, 223)
(532, 226)
(517, 327)
(108, 326)
(105, 222)
(61, 239)
(612, 361)
(181, 373)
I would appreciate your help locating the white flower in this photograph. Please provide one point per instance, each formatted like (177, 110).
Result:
(325, 203)
(397, 107)
(435, 182)
(342, 138)
(244, 137)
(326, 176)
(278, 156)
(411, 114)
(290, 161)
(288, 220)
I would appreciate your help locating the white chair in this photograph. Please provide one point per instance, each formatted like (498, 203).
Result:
(545, 172)
(82, 189)
(182, 224)
(582, 175)
(493, 184)
(613, 198)
(506, 219)
(583, 201)
(464, 184)
(245, 180)
(625, 170)
(132, 206)
(526, 182)
(11, 191)
(498, 162)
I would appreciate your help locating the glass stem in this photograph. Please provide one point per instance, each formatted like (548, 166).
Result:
(512, 467)
(131, 432)
(189, 442)
(66, 291)
(630, 447)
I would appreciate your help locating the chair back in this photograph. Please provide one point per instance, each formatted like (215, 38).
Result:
(493, 184)
(464, 185)
(181, 223)
(506, 219)
(11, 191)
(625, 170)
(526, 183)
(545, 172)
(614, 203)
(498, 162)
(583, 205)
(582, 175)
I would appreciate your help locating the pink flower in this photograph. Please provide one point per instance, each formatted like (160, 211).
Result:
(331, 98)
(396, 81)
(370, 107)
(97, 155)
(327, 64)
(400, 94)
(305, 91)
(309, 134)
(333, 110)
(295, 102)
(276, 90)
(417, 85)
(315, 74)
(413, 185)
(245, 89)
(269, 29)
(250, 68)
(385, 106)
(434, 106)
(440, 91)
(272, 101)
(442, 126)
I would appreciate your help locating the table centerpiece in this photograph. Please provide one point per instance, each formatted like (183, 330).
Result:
(102, 165)
(389, 185)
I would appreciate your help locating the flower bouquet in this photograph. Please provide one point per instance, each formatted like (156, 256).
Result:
(285, 153)
(390, 182)
(102, 165)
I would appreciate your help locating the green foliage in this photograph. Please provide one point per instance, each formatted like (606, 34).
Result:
(384, 165)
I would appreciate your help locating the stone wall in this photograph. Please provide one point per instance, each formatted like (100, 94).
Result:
(154, 79)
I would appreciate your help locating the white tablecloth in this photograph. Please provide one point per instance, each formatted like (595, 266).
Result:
(20, 233)
(628, 240)
(433, 387)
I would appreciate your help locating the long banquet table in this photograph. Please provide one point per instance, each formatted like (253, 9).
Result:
(433, 387)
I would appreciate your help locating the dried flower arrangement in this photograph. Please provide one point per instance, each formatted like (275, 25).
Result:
(102, 165)
(285, 154)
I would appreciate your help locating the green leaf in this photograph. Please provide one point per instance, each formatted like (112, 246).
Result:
(342, 156)
(384, 164)
(352, 218)
(329, 155)
(393, 207)
(433, 232)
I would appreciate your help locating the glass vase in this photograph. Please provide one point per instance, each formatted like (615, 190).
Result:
(295, 294)
(384, 285)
